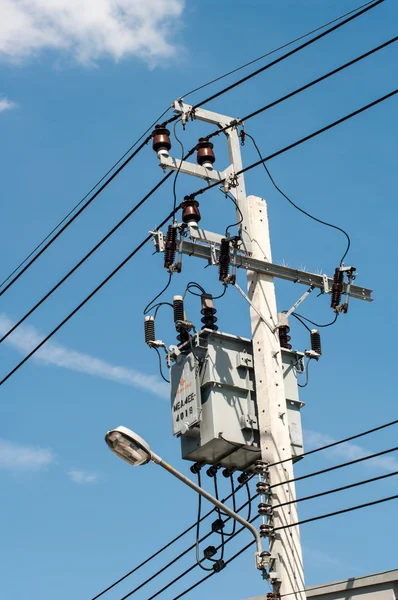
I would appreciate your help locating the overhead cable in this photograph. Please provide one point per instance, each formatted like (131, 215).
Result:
(251, 62)
(163, 180)
(284, 56)
(302, 140)
(44, 245)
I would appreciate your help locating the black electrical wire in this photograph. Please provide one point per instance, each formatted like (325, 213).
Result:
(340, 466)
(79, 306)
(200, 191)
(338, 443)
(296, 206)
(198, 560)
(338, 489)
(150, 306)
(230, 196)
(83, 260)
(160, 366)
(337, 512)
(220, 515)
(179, 166)
(249, 501)
(278, 153)
(193, 284)
(302, 140)
(297, 315)
(288, 54)
(251, 62)
(79, 212)
(231, 478)
(303, 385)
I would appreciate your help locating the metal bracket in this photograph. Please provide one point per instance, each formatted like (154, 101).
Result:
(246, 297)
(184, 166)
(289, 312)
(158, 240)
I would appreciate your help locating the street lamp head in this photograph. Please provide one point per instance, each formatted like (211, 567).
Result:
(128, 446)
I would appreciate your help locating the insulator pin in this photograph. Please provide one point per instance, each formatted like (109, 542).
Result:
(316, 341)
(170, 246)
(195, 468)
(224, 260)
(161, 140)
(265, 509)
(263, 488)
(149, 328)
(205, 156)
(190, 211)
(243, 478)
(337, 288)
(284, 337)
(266, 530)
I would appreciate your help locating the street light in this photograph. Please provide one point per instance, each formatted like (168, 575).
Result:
(130, 447)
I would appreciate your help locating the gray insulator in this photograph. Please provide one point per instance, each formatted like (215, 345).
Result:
(149, 327)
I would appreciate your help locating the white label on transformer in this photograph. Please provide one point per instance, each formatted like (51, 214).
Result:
(185, 395)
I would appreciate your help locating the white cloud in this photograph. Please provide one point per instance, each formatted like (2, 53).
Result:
(82, 477)
(89, 29)
(25, 338)
(16, 457)
(6, 104)
(349, 451)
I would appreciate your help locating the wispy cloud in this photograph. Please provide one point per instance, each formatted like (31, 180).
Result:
(82, 477)
(25, 338)
(16, 457)
(6, 104)
(349, 451)
(89, 30)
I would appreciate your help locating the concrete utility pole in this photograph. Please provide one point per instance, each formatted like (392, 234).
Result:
(285, 567)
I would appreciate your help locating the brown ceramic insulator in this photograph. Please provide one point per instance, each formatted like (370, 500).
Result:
(170, 246)
(161, 139)
(205, 152)
(190, 210)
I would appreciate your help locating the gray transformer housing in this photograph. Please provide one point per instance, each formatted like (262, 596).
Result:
(213, 396)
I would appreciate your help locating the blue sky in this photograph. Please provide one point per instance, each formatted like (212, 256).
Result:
(78, 86)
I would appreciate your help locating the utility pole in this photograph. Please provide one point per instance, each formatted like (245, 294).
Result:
(276, 407)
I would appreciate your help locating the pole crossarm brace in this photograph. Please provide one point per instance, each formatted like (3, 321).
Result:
(188, 168)
(211, 253)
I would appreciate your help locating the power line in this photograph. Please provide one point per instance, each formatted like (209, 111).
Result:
(340, 466)
(251, 62)
(343, 441)
(170, 543)
(83, 199)
(302, 140)
(338, 512)
(191, 151)
(288, 54)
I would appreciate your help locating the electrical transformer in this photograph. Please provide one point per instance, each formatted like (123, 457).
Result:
(214, 409)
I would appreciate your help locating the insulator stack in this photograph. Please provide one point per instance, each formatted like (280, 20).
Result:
(195, 468)
(190, 211)
(225, 260)
(227, 473)
(208, 311)
(205, 155)
(337, 288)
(263, 488)
(316, 341)
(243, 478)
(212, 471)
(149, 327)
(266, 530)
(261, 467)
(178, 308)
(170, 246)
(161, 140)
(284, 337)
(265, 509)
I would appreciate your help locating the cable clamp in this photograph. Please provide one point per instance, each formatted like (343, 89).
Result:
(158, 240)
